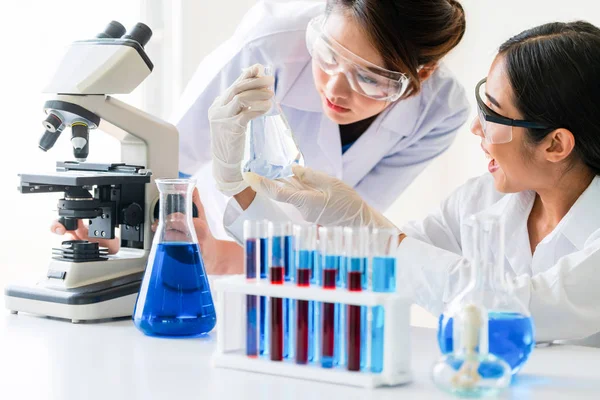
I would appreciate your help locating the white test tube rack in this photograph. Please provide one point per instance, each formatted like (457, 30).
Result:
(231, 332)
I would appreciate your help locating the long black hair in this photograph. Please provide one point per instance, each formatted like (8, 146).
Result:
(408, 33)
(554, 71)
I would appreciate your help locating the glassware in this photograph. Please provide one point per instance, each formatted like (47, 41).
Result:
(356, 243)
(469, 370)
(271, 149)
(510, 327)
(175, 297)
(384, 243)
(330, 256)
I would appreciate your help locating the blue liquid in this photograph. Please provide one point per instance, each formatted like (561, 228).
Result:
(340, 316)
(175, 298)
(384, 280)
(263, 346)
(510, 338)
(251, 301)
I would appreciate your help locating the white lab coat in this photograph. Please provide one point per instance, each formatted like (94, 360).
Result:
(559, 283)
(400, 142)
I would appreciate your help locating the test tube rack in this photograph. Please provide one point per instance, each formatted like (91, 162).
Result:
(231, 319)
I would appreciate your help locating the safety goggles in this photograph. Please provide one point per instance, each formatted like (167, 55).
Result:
(364, 77)
(496, 128)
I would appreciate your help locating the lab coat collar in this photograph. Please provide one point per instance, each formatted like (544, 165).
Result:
(302, 94)
(583, 218)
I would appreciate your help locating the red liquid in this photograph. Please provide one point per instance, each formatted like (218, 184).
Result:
(276, 348)
(354, 322)
(303, 279)
(277, 275)
(329, 280)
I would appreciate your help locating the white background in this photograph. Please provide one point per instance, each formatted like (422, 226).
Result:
(34, 34)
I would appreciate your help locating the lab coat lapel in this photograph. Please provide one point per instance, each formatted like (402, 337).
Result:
(583, 218)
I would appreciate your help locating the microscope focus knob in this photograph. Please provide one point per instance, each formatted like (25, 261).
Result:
(133, 214)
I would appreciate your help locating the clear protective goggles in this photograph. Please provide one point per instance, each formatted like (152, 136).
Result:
(364, 77)
(496, 128)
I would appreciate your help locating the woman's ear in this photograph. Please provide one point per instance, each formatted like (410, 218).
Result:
(559, 145)
(427, 70)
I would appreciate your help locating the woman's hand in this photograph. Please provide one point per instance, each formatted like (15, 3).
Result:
(320, 198)
(220, 257)
(248, 98)
(82, 233)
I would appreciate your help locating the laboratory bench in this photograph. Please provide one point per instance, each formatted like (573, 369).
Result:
(44, 358)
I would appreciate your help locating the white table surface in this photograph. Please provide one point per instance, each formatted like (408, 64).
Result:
(42, 358)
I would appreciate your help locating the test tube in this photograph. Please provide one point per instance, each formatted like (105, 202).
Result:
(264, 256)
(251, 259)
(383, 248)
(284, 232)
(356, 243)
(330, 249)
(305, 242)
(278, 233)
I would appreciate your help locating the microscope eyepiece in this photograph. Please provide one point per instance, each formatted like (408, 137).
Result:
(113, 30)
(141, 33)
(80, 140)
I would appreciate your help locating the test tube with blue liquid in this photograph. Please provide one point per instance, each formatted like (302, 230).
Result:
(330, 255)
(264, 255)
(356, 244)
(383, 248)
(305, 243)
(251, 263)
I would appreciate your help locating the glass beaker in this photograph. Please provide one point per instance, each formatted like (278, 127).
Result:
(510, 327)
(175, 297)
(271, 149)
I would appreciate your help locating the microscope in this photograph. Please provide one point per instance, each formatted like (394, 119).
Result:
(83, 282)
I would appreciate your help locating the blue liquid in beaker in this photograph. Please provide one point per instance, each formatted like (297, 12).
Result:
(176, 300)
(510, 338)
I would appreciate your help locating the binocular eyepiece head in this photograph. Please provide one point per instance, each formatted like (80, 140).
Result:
(140, 33)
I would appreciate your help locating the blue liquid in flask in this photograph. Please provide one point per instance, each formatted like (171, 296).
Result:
(511, 338)
(175, 298)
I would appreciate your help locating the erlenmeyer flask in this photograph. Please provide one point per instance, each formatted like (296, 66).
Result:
(510, 327)
(175, 298)
(271, 149)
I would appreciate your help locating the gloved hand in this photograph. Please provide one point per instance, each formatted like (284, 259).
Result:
(320, 198)
(248, 98)
(82, 233)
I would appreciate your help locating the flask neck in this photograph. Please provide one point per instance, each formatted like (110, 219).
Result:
(175, 213)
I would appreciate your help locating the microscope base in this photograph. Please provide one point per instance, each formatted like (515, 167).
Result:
(104, 300)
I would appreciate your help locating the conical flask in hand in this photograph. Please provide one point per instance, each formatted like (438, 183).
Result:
(271, 149)
(175, 298)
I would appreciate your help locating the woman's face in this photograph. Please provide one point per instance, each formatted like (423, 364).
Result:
(517, 165)
(340, 103)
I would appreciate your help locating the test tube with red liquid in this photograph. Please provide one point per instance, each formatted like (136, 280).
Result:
(356, 244)
(278, 233)
(330, 255)
(305, 243)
